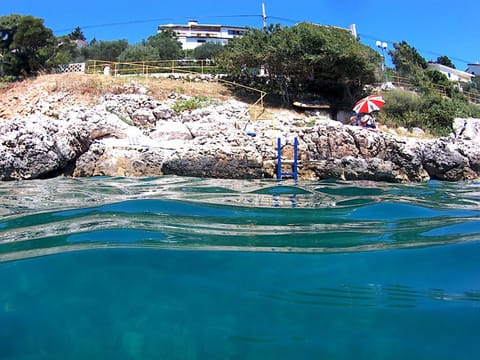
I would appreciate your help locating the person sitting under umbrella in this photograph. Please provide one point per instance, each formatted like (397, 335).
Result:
(364, 119)
(364, 109)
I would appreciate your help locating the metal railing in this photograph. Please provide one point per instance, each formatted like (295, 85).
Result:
(150, 67)
(403, 82)
(185, 67)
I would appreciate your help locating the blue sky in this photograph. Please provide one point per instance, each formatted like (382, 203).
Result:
(434, 28)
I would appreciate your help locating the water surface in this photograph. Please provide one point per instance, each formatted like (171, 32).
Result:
(184, 268)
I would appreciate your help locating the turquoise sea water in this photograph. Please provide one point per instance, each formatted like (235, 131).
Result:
(182, 268)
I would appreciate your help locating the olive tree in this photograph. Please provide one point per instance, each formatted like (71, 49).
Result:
(138, 52)
(104, 50)
(209, 50)
(296, 56)
(166, 45)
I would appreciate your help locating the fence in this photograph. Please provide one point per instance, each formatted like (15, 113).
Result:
(402, 82)
(151, 67)
(189, 68)
(74, 67)
(203, 67)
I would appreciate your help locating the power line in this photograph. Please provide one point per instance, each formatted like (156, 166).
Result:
(423, 51)
(113, 24)
(156, 20)
(260, 16)
(285, 19)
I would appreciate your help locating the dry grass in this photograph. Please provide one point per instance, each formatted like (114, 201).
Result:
(68, 90)
(21, 98)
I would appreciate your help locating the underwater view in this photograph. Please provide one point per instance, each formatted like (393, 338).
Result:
(185, 268)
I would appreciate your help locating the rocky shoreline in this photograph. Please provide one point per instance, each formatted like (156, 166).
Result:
(133, 134)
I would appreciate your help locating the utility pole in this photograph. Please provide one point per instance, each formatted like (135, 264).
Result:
(264, 16)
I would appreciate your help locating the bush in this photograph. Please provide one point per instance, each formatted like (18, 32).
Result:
(431, 111)
(401, 108)
(401, 101)
(191, 103)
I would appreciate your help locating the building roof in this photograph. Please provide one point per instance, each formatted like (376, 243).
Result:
(473, 69)
(447, 69)
(192, 24)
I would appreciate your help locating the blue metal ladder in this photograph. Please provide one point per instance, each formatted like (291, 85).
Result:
(294, 172)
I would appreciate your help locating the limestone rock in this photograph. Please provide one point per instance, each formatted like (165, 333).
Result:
(37, 146)
(171, 130)
(108, 161)
(131, 134)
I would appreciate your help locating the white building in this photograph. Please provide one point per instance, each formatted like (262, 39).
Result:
(194, 34)
(450, 73)
(473, 69)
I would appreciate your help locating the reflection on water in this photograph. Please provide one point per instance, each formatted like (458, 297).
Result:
(171, 212)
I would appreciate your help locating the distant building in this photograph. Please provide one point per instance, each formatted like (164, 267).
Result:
(473, 69)
(80, 43)
(194, 34)
(451, 73)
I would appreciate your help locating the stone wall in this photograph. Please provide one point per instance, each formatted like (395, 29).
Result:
(71, 68)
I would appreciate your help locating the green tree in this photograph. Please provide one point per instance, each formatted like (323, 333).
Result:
(105, 50)
(445, 60)
(77, 34)
(66, 51)
(26, 44)
(408, 62)
(138, 52)
(209, 50)
(8, 27)
(436, 100)
(305, 55)
(166, 44)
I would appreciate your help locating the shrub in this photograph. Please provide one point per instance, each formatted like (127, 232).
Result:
(402, 108)
(191, 103)
(429, 111)
(401, 101)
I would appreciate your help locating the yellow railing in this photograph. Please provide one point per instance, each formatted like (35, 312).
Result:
(193, 67)
(405, 83)
(256, 104)
(149, 67)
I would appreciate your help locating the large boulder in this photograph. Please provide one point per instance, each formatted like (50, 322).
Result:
(37, 146)
(102, 160)
(135, 135)
(171, 130)
(466, 129)
(221, 161)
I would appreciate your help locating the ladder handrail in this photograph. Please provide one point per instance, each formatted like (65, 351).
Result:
(294, 171)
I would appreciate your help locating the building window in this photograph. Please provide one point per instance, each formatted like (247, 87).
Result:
(235, 32)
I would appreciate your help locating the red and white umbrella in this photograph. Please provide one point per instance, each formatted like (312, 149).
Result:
(369, 104)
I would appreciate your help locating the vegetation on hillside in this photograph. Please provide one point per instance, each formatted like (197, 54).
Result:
(301, 61)
(305, 58)
(432, 100)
